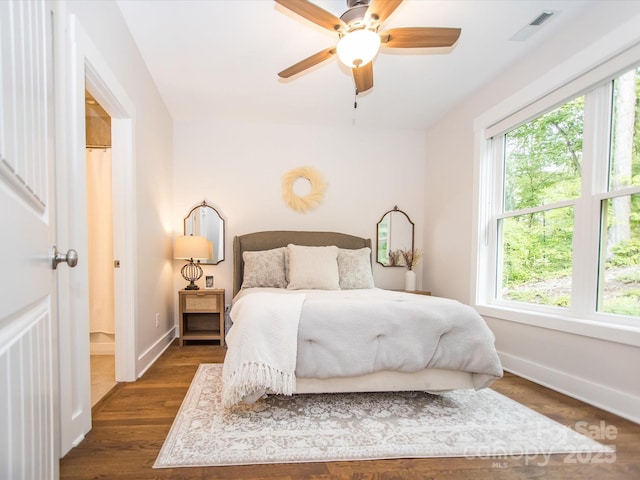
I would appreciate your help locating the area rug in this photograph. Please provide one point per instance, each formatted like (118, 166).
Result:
(338, 427)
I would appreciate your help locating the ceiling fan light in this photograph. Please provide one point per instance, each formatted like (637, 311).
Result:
(358, 48)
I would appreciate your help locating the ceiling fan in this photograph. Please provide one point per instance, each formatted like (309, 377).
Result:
(359, 38)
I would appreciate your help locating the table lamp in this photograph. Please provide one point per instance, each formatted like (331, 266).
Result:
(190, 247)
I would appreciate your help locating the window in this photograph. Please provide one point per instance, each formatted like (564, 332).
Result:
(619, 287)
(619, 280)
(564, 228)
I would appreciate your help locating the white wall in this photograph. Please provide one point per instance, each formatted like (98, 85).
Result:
(238, 169)
(153, 167)
(547, 356)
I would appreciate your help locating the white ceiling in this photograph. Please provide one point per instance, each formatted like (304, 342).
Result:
(219, 59)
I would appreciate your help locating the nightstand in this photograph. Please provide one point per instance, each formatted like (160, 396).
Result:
(201, 315)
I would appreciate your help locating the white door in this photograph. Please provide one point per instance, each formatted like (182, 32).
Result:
(29, 443)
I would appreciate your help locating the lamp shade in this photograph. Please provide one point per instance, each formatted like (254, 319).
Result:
(191, 246)
(358, 48)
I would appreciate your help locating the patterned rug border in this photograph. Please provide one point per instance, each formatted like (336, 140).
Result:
(204, 434)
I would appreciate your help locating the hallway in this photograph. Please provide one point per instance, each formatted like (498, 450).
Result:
(103, 374)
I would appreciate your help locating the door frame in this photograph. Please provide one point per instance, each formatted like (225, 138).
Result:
(86, 67)
(111, 98)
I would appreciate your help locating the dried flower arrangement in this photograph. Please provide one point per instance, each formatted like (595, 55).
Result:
(411, 257)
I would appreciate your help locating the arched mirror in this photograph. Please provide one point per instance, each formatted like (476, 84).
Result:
(204, 221)
(395, 232)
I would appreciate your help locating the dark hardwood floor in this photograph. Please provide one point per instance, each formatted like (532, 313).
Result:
(131, 422)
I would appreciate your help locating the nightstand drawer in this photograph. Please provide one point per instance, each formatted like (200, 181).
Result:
(206, 303)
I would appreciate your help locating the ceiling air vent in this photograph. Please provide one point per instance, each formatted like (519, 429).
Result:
(533, 26)
(540, 19)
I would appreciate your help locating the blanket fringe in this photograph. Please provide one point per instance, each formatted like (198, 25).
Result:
(252, 377)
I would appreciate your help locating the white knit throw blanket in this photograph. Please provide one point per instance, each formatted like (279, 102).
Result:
(261, 347)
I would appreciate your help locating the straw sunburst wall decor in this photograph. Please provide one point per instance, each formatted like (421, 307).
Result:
(310, 200)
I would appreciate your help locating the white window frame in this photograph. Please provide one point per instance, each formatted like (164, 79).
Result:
(579, 75)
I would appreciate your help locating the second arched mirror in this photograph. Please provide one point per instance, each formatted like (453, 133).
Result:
(203, 220)
(395, 231)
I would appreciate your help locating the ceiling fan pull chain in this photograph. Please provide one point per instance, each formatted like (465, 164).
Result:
(355, 100)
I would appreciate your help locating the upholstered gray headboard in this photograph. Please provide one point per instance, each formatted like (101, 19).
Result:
(274, 239)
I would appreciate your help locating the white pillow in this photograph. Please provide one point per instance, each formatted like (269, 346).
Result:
(313, 267)
(265, 268)
(354, 268)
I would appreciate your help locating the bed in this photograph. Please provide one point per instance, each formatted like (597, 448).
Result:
(307, 318)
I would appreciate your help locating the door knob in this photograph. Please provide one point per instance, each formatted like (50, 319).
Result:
(71, 257)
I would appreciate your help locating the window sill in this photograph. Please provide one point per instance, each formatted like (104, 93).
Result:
(609, 330)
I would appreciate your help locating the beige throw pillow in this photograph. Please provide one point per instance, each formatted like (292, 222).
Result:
(313, 268)
(354, 268)
(264, 268)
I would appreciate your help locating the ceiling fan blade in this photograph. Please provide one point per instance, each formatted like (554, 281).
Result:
(308, 62)
(381, 9)
(314, 14)
(363, 77)
(419, 37)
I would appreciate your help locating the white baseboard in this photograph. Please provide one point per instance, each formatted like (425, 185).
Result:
(149, 357)
(599, 395)
(102, 348)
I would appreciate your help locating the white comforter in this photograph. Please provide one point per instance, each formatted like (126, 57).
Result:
(349, 333)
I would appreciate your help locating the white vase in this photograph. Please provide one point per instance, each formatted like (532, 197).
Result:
(410, 280)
